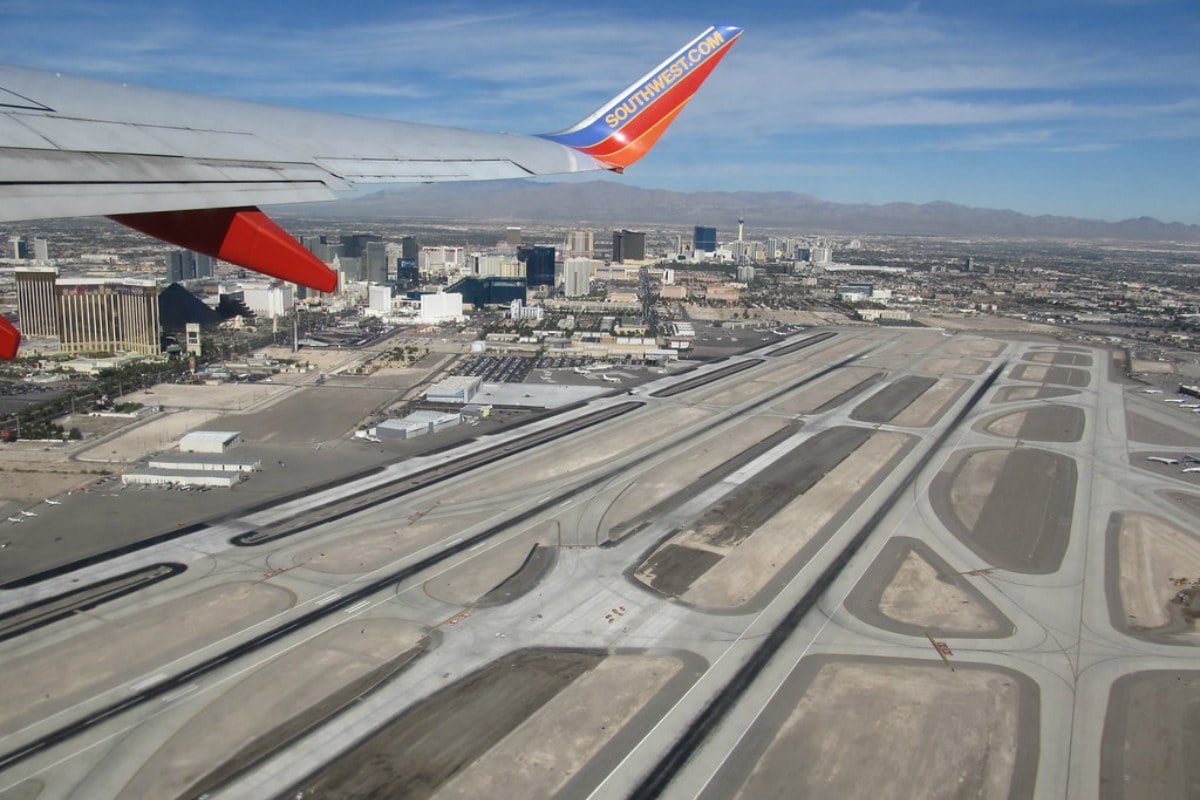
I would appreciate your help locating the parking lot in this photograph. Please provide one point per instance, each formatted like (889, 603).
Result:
(515, 369)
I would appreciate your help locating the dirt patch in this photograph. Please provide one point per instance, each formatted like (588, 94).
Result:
(1154, 579)
(26, 485)
(800, 527)
(310, 415)
(1149, 431)
(929, 407)
(1007, 425)
(1188, 502)
(1151, 737)
(25, 790)
(274, 705)
(1064, 376)
(954, 366)
(603, 443)
(1042, 424)
(560, 738)
(467, 583)
(677, 563)
(429, 743)
(1019, 520)
(830, 392)
(645, 498)
(970, 346)
(892, 399)
(1013, 394)
(1152, 367)
(673, 568)
(973, 484)
(910, 589)
(60, 675)
(1060, 359)
(536, 565)
(42, 612)
(220, 397)
(353, 552)
(758, 383)
(154, 436)
(889, 728)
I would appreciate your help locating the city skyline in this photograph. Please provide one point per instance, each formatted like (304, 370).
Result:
(1089, 109)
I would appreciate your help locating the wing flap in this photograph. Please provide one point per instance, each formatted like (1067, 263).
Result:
(41, 202)
(83, 134)
(48, 183)
(14, 134)
(375, 170)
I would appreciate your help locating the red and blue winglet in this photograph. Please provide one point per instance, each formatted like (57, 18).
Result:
(624, 129)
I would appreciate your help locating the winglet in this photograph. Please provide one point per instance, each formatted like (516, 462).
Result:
(625, 128)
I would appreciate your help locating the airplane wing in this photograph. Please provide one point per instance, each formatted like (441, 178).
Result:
(191, 170)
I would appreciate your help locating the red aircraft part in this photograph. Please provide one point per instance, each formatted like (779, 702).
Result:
(10, 339)
(243, 236)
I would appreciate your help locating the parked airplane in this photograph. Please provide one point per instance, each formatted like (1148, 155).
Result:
(1174, 400)
(27, 513)
(50, 502)
(1152, 391)
(1191, 469)
(191, 170)
(610, 379)
(15, 519)
(1163, 460)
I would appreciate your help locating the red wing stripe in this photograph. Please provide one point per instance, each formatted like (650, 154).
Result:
(10, 340)
(667, 103)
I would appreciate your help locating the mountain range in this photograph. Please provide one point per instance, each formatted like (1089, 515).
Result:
(611, 203)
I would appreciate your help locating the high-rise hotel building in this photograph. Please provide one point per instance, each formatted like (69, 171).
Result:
(89, 314)
(36, 302)
(99, 314)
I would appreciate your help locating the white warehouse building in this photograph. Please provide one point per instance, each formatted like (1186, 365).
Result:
(441, 307)
(268, 300)
(208, 441)
(455, 389)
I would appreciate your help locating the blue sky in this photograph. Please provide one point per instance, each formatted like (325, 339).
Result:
(1083, 108)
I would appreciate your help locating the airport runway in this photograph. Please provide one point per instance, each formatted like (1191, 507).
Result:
(728, 586)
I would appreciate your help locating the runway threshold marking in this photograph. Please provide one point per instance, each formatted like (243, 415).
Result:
(179, 693)
(147, 682)
(327, 599)
(359, 606)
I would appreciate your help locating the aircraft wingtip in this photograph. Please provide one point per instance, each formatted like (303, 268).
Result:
(624, 129)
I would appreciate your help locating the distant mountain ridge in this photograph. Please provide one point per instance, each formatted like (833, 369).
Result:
(615, 204)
